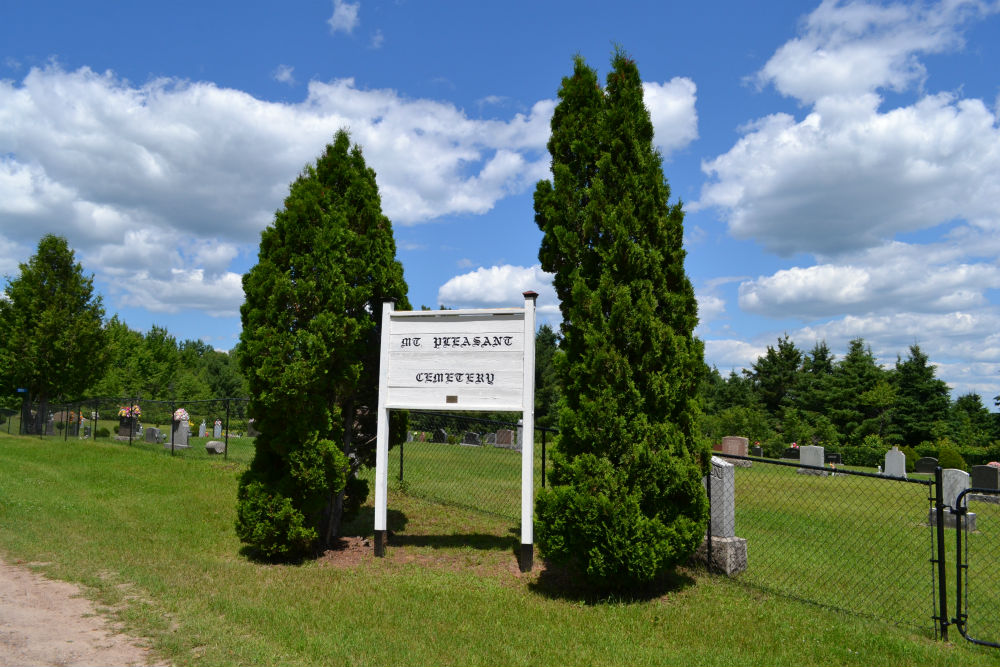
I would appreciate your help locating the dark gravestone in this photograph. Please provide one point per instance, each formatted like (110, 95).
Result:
(757, 451)
(490, 439)
(833, 457)
(986, 477)
(471, 438)
(440, 435)
(791, 453)
(926, 464)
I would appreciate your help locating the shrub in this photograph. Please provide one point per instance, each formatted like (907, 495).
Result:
(911, 458)
(102, 432)
(866, 457)
(926, 449)
(950, 458)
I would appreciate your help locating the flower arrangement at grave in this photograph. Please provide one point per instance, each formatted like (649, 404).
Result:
(130, 412)
(181, 415)
(994, 464)
(795, 445)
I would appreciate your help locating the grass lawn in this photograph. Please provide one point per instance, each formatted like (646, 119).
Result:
(151, 537)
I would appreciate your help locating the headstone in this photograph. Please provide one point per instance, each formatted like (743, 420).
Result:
(953, 483)
(50, 426)
(737, 446)
(895, 463)
(409, 436)
(811, 455)
(86, 431)
(833, 457)
(926, 464)
(440, 435)
(215, 447)
(490, 439)
(252, 431)
(732, 444)
(505, 437)
(791, 453)
(985, 477)
(181, 431)
(152, 434)
(217, 429)
(201, 429)
(471, 438)
(757, 450)
(729, 553)
(126, 427)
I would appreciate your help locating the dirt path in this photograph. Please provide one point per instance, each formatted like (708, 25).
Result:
(46, 622)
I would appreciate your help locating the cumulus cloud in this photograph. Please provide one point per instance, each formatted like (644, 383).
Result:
(672, 111)
(500, 287)
(849, 177)
(851, 48)
(121, 169)
(345, 16)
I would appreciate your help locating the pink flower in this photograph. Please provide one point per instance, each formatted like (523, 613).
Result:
(995, 464)
(795, 445)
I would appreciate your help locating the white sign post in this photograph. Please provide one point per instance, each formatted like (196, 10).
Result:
(458, 360)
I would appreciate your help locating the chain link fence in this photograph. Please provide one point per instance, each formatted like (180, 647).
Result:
(977, 547)
(849, 540)
(198, 428)
(465, 461)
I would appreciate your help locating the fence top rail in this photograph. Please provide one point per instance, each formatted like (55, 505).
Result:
(480, 420)
(839, 471)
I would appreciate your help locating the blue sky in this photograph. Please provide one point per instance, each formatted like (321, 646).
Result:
(839, 162)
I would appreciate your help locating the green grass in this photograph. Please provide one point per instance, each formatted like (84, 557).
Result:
(151, 537)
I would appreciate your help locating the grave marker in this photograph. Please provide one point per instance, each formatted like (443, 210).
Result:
(895, 463)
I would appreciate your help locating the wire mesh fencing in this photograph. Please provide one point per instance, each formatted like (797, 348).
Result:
(465, 461)
(977, 566)
(199, 428)
(854, 541)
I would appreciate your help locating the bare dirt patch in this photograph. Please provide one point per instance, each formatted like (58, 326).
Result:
(46, 622)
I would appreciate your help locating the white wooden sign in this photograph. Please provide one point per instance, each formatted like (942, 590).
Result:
(458, 360)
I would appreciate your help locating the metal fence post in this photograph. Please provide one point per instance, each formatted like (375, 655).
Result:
(942, 569)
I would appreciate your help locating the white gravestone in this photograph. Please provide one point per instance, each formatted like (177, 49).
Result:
(895, 463)
(217, 430)
(953, 483)
(729, 553)
(811, 455)
(201, 429)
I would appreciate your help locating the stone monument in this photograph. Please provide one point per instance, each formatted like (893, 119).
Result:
(729, 553)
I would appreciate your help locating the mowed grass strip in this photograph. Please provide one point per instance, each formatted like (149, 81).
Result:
(151, 537)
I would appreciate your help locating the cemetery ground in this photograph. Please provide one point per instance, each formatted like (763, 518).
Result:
(149, 538)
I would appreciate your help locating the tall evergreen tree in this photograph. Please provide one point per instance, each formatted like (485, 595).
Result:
(775, 374)
(52, 341)
(626, 502)
(921, 398)
(854, 411)
(309, 349)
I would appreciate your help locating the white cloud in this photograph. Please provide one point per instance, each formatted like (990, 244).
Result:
(378, 39)
(285, 74)
(672, 111)
(851, 48)
(345, 16)
(849, 177)
(726, 354)
(499, 287)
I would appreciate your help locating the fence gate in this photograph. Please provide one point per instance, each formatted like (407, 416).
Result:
(977, 539)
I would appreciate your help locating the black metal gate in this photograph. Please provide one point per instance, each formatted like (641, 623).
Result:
(977, 572)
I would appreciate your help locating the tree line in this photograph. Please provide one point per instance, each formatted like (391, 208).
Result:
(789, 395)
(56, 346)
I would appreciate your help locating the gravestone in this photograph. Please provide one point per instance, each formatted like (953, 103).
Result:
(252, 431)
(152, 435)
(505, 438)
(729, 553)
(791, 453)
(215, 447)
(811, 455)
(440, 435)
(985, 477)
(409, 436)
(490, 439)
(217, 429)
(953, 483)
(181, 432)
(50, 426)
(757, 450)
(202, 430)
(735, 445)
(471, 438)
(926, 464)
(895, 463)
(126, 427)
(833, 457)
(86, 431)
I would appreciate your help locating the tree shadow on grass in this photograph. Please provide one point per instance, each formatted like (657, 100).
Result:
(560, 583)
